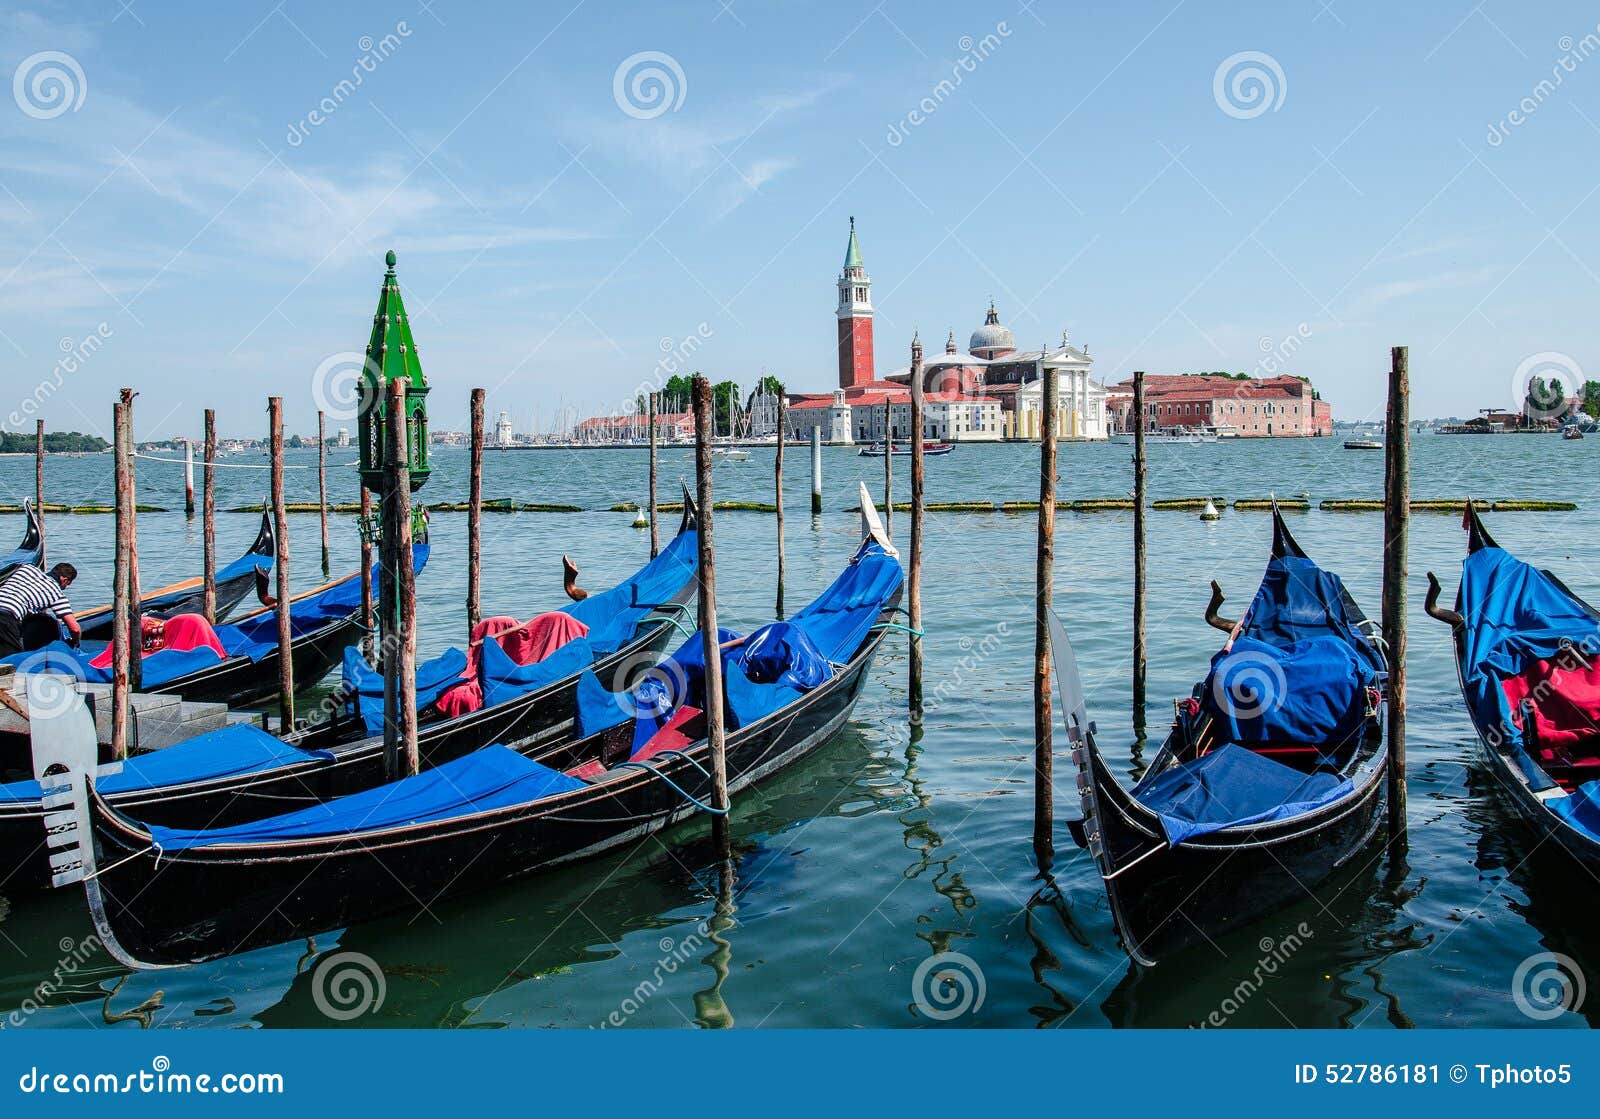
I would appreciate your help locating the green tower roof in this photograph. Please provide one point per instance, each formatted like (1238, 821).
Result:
(391, 348)
(852, 253)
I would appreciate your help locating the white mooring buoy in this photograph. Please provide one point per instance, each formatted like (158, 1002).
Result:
(640, 518)
(1209, 513)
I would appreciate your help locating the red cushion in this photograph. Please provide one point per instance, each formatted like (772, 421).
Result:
(1566, 703)
(685, 728)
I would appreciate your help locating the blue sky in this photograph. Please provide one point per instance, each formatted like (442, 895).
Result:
(555, 236)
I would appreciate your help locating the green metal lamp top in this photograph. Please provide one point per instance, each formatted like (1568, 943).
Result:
(391, 353)
(389, 259)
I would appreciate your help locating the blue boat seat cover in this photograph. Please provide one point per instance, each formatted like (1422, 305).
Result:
(1231, 787)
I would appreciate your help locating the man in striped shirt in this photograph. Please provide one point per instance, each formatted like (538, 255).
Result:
(33, 606)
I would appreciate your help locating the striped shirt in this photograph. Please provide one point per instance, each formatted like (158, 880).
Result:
(27, 590)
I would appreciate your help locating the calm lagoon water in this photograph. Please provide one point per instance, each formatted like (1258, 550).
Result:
(860, 864)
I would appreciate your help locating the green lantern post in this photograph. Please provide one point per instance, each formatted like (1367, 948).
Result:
(392, 353)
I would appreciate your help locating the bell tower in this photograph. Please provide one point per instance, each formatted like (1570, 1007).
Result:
(855, 318)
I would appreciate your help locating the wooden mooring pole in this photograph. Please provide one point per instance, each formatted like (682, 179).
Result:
(1044, 809)
(918, 501)
(208, 521)
(121, 615)
(1397, 505)
(366, 574)
(188, 478)
(280, 529)
(816, 471)
(135, 614)
(396, 597)
(38, 481)
(716, 734)
(1139, 482)
(777, 486)
(322, 486)
(475, 517)
(655, 532)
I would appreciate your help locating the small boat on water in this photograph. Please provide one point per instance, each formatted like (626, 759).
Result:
(1171, 435)
(1572, 431)
(31, 551)
(1363, 444)
(1272, 778)
(161, 897)
(875, 450)
(729, 454)
(1528, 658)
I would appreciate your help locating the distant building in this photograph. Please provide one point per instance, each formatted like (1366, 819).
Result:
(344, 437)
(671, 427)
(502, 430)
(1255, 407)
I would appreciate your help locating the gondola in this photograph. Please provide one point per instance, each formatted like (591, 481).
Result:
(161, 897)
(241, 773)
(1528, 658)
(31, 550)
(248, 572)
(323, 621)
(1272, 777)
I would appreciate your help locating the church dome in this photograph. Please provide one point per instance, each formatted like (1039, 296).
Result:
(991, 338)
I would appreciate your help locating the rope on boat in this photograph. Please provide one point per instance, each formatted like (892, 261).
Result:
(127, 859)
(677, 625)
(230, 465)
(681, 791)
(901, 628)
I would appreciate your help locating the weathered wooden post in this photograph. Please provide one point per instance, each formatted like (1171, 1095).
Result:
(777, 472)
(280, 529)
(188, 478)
(1044, 583)
(655, 532)
(397, 598)
(914, 582)
(1138, 554)
(121, 615)
(38, 481)
(475, 517)
(322, 486)
(716, 736)
(888, 469)
(1397, 511)
(816, 471)
(208, 521)
(135, 614)
(366, 574)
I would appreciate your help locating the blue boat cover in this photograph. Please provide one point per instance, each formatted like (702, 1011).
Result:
(1581, 809)
(233, 750)
(1514, 615)
(363, 685)
(1231, 787)
(612, 615)
(493, 777)
(1298, 670)
(504, 679)
(252, 637)
(775, 666)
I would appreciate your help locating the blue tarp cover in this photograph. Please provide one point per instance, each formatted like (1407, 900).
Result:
(504, 679)
(612, 615)
(253, 637)
(241, 748)
(1296, 674)
(773, 668)
(1515, 615)
(363, 685)
(1581, 809)
(1232, 786)
(493, 777)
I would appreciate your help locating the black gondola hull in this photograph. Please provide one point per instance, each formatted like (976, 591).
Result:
(207, 903)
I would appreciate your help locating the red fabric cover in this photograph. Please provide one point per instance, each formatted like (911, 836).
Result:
(685, 728)
(1566, 705)
(524, 642)
(588, 771)
(183, 632)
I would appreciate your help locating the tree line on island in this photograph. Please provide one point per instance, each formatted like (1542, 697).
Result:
(55, 442)
(674, 397)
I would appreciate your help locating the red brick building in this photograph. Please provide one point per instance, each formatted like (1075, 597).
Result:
(1270, 407)
(855, 318)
